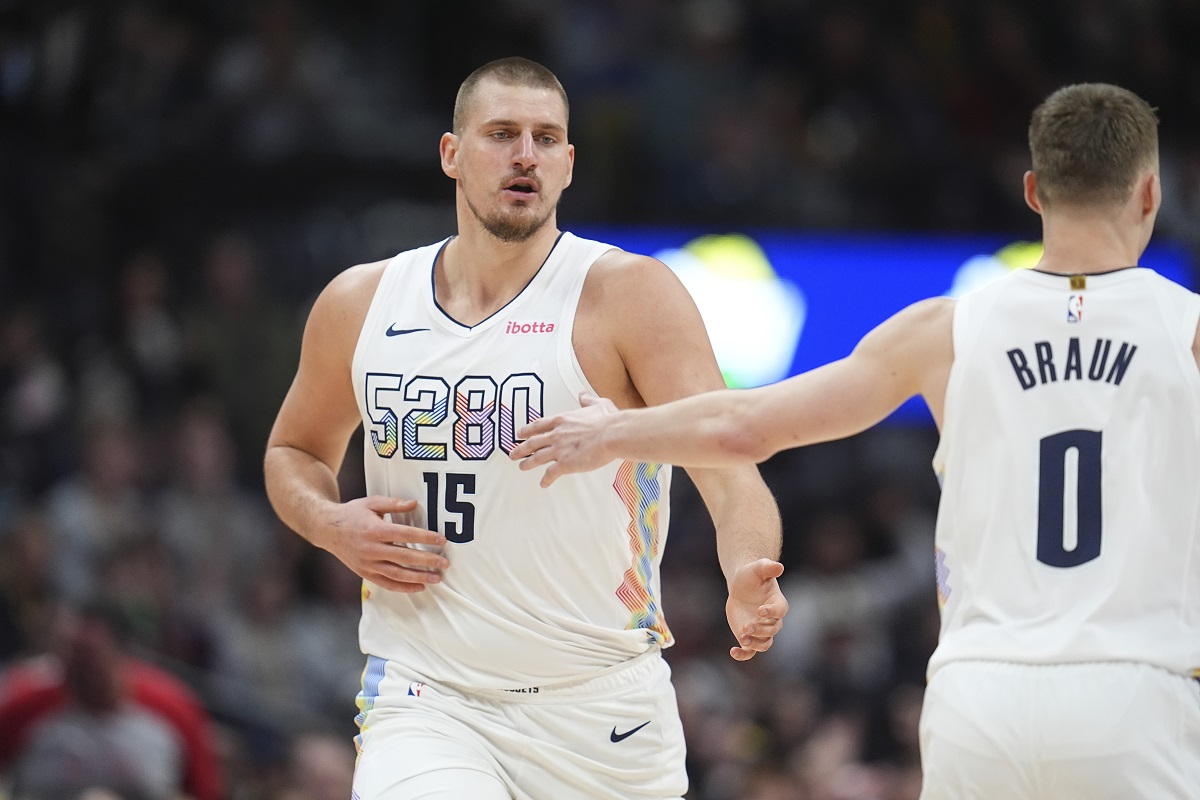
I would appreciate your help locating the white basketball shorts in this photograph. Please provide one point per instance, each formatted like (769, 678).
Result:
(616, 734)
(1095, 731)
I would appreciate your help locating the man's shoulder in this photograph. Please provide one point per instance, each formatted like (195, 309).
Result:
(349, 293)
(356, 277)
(614, 259)
(933, 310)
(362, 279)
(621, 286)
(634, 274)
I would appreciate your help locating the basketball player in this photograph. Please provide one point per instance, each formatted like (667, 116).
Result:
(514, 635)
(1068, 537)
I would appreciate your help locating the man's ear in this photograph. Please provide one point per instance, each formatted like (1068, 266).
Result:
(1150, 193)
(448, 148)
(1031, 197)
(570, 164)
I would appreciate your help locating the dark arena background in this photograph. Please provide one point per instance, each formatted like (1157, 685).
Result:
(178, 180)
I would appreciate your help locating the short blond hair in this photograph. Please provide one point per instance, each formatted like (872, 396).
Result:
(512, 71)
(1089, 142)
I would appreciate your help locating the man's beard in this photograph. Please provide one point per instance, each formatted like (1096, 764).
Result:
(510, 228)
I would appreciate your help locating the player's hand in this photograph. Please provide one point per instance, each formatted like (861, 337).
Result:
(358, 533)
(756, 607)
(568, 442)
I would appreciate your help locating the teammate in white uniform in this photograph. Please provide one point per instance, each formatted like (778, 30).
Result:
(1068, 536)
(513, 635)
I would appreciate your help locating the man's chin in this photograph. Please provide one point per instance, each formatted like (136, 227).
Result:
(513, 229)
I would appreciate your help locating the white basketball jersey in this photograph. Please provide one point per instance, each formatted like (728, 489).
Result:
(1069, 526)
(544, 585)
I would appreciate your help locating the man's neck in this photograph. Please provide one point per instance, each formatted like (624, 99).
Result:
(478, 274)
(1088, 245)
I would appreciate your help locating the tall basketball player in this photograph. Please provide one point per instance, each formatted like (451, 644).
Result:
(1068, 537)
(513, 635)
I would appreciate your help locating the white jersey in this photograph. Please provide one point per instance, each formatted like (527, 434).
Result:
(1069, 526)
(544, 585)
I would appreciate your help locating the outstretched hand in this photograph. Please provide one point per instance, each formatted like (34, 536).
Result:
(756, 607)
(569, 442)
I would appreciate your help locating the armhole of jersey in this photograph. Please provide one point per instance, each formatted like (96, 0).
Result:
(568, 363)
(1191, 319)
(958, 340)
(1174, 302)
(371, 321)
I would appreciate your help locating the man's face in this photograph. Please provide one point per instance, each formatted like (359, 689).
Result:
(511, 159)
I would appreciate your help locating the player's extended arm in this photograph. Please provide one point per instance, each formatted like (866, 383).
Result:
(908, 354)
(665, 351)
(308, 442)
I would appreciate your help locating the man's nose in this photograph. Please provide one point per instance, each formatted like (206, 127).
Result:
(523, 152)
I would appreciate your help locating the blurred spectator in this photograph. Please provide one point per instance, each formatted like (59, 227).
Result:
(772, 784)
(215, 531)
(245, 343)
(141, 580)
(91, 716)
(34, 402)
(320, 767)
(259, 674)
(150, 335)
(99, 508)
(26, 592)
(150, 102)
(328, 641)
(837, 629)
(279, 84)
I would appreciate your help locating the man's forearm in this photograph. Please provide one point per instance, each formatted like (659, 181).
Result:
(748, 532)
(707, 430)
(744, 513)
(298, 485)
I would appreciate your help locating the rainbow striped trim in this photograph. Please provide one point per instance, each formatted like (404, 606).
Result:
(638, 487)
(942, 573)
(372, 676)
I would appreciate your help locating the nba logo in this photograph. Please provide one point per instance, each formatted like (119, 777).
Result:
(1075, 308)
(414, 689)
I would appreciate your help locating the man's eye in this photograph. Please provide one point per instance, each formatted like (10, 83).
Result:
(501, 135)
(547, 140)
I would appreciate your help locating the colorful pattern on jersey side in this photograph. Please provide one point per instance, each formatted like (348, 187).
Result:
(637, 485)
(942, 573)
(372, 676)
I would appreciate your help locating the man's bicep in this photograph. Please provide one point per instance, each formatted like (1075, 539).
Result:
(318, 416)
(887, 367)
(666, 349)
(676, 360)
(320, 411)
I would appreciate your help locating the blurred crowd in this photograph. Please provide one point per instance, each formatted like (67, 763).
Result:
(178, 179)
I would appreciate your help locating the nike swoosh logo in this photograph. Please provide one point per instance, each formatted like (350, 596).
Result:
(620, 737)
(394, 331)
